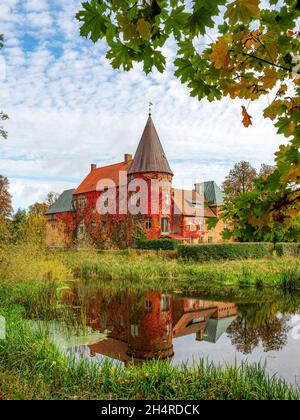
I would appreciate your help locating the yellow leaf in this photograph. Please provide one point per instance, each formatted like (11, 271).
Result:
(231, 89)
(252, 38)
(220, 55)
(269, 79)
(247, 120)
(282, 90)
(144, 28)
(272, 51)
(276, 108)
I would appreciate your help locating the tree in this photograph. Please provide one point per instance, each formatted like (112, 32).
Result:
(254, 53)
(246, 333)
(266, 171)
(3, 116)
(5, 198)
(51, 198)
(240, 179)
(40, 209)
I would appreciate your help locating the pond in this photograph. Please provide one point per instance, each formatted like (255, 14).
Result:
(136, 326)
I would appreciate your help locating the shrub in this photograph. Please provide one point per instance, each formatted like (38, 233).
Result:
(291, 249)
(158, 244)
(228, 251)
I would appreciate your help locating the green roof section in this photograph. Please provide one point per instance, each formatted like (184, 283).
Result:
(212, 193)
(216, 328)
(63, 204)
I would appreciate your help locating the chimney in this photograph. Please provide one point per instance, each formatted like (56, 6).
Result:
(93, 167)
(127, 158)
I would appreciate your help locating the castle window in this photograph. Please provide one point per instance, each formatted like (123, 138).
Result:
(210, 239)
(168, 329)
(191, 227)
(165, 225)
(165, 303)
(81, 228)
(104, 227)
(103, 320)
(201, 224)
(148, 305)
(167, 199)
(94, 225)
(122, 321)
(149, 223)
(134, 330)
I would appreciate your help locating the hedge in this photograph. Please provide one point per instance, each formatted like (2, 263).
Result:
(227, 251)
(158, 244)
(291, 249)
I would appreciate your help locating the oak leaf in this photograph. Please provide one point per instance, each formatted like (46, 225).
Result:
(247, 120)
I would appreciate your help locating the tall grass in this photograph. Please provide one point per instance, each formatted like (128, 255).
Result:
(29, 263)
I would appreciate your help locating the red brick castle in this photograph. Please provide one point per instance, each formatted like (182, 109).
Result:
(130, 184)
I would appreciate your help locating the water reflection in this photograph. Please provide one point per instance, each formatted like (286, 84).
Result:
(259, 324)
(249, 326)
(144, 326)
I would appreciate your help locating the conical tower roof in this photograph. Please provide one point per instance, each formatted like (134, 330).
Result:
(150, 155)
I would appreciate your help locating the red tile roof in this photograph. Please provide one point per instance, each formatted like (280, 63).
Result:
(106, 172)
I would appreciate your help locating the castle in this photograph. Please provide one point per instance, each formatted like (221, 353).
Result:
(112, 200)
(146, 325)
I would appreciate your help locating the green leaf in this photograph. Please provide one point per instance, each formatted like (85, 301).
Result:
(202, 16)
(242, 11)
(121, 56)
(95, 22)
(185, 70)
(153, 58)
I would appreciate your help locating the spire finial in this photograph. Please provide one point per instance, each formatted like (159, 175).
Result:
(150, 108)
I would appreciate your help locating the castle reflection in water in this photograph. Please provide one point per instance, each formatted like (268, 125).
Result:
(143, 326)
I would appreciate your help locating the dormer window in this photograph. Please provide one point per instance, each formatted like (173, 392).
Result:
(196, 204)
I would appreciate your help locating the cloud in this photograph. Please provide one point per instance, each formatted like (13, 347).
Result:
(68, 108)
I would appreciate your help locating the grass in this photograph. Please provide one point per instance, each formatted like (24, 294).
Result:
(27, 264)
(174, 273)
(32, 368)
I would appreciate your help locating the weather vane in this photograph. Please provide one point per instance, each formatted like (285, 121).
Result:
(150, 108)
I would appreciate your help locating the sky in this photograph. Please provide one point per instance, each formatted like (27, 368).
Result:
(68, 108)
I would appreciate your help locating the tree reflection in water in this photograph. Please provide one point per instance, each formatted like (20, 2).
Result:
(259, 324)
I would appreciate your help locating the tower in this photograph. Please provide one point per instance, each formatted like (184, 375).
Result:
(151, 165)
